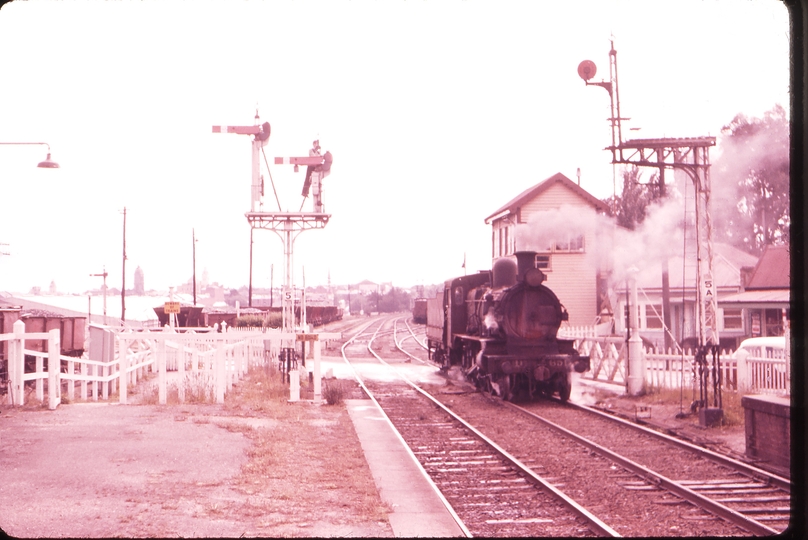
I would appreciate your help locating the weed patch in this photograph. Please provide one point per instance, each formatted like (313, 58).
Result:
(334, 392)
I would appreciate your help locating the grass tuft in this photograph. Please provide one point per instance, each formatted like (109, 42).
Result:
(333, 392)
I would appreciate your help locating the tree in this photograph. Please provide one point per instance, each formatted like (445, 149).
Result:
(630, 207)
(752, 171)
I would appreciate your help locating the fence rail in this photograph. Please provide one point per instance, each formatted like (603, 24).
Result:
(674, 369)
(213, 361)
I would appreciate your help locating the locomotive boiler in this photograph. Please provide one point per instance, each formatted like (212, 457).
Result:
(500, 327)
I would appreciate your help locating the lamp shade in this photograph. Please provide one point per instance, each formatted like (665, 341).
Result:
(48, 163)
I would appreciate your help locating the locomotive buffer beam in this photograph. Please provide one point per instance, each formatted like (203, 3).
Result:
(510, 364)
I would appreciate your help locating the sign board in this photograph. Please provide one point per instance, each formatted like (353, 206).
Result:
(308, 337)
(171, 307)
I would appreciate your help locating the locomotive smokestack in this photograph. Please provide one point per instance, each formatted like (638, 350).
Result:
(525, 260)
(527, 271)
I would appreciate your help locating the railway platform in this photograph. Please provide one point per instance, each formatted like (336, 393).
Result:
(416, 510)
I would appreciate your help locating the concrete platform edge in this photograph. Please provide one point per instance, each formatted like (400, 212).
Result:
(415, 509)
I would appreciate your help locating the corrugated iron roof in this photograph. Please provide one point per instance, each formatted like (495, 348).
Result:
(772, 270)
(756, 297)
(542, 186)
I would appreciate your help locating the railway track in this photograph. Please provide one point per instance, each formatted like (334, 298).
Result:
(489, 492)
(752, 498)
(683, 491)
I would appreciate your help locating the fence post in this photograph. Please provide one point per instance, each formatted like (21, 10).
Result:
(123, 367)
(40, 383)
(317, 382)
(162, 384)
(181, 352)
(54, 368)
(16, 365)
(71, 384)
(95, 371)
(742, 370)
(220, 374)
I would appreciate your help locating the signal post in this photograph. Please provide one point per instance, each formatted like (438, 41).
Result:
(287, 225)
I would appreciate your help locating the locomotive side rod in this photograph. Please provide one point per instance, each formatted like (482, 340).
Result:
(598, 526)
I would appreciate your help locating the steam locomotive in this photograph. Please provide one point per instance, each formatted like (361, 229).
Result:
(500, 327)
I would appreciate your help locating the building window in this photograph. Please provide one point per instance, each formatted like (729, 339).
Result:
(774, 322)
(507, 245)
(543, 263)
(571, 244)
(733, 319)
(653, 316)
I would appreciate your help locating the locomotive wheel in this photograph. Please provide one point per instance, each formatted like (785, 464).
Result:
(565, 389)
(505, 388)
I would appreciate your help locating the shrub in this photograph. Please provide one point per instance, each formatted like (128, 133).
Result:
(249, 320)
(334, 392)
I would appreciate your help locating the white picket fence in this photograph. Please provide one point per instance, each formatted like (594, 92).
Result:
(673, 369)
(213, 360)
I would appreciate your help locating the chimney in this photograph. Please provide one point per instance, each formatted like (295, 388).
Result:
(525, 260)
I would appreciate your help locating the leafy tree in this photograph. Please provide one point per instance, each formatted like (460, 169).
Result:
(752, 172)
(631, 206)
(394, 300)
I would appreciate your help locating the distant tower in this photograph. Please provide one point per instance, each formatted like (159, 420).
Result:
(52, 288)
(140, 289)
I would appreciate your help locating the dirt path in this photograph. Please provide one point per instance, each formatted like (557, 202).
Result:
(109, 470)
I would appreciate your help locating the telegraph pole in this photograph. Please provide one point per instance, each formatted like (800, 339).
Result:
(123, 276)
(193, 237)
(104, 291)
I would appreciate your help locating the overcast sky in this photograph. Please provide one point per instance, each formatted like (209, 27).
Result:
(436, 114)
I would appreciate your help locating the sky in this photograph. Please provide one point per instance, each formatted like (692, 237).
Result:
(436, 114)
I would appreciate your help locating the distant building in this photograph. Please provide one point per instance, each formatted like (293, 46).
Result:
(729, 266)
(367, 287)
(140, 288)
(763, 307)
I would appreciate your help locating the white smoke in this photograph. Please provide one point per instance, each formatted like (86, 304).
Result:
(609, 246)
(490, 321)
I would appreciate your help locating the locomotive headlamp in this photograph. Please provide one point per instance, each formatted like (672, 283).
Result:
(534, 277)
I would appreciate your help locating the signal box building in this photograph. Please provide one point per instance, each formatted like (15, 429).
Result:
(563, 250)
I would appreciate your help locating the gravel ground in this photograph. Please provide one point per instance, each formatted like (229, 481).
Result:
(255, 466)
(594, 482)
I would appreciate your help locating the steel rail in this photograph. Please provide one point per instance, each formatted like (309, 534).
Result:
(598, 526)
(400, 348)
(370, 395)
(760, 474)
(421, 343)
(657, 479)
